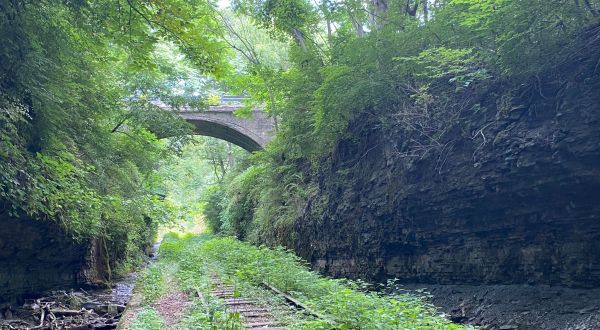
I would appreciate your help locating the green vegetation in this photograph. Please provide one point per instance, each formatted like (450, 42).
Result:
(79, 134)
(147, 319)
(343, 304)
(167, 276)
(152, 283)
(414, 69)
(84, 143)
(201, 166)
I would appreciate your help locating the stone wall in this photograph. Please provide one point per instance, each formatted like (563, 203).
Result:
(36, 256)
(520, 205)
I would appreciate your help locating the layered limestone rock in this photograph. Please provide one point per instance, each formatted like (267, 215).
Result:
(512, 197)
(36, 256)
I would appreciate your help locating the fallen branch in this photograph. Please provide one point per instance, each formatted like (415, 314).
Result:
(42, 317)
(66, 312)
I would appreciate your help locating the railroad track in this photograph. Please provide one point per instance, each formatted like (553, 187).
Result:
(252, 314)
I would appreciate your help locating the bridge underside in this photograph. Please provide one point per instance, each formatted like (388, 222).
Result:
(227, 133)
(251, 133)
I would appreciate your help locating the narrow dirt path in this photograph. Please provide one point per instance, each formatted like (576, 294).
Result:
(171, 306)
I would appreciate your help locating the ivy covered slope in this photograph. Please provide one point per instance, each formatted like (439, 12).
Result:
(78, 136)
(390, 109)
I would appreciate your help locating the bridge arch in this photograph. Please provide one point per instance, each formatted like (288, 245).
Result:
(236, 135)
(251, 133)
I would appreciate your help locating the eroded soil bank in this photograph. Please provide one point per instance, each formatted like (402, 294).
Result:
(515, 306)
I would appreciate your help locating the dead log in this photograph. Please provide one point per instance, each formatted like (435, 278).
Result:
(65, 312)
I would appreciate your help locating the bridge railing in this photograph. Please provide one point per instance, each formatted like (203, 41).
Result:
(223, 99)
(232, 99)
(223, 103)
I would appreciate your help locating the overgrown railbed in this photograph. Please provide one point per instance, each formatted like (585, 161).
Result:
(194, 262)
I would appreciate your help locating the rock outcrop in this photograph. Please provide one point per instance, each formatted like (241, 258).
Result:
(37, 256)
(512, 197)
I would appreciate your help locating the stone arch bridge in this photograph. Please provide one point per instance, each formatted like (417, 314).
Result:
(219, 121)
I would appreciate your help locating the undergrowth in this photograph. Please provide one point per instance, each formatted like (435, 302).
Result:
(153, 283)
(147, 319)
(342, 304)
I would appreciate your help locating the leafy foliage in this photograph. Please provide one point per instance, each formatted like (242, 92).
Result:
(194, 179)
(80, 135)
(213, 198)
(83, 85)
(147, 319)
(152, 284)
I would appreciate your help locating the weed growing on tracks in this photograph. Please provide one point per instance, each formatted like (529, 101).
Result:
(343, 304)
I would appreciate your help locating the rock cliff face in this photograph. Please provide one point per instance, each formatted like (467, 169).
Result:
(513, 197)
(36, 256)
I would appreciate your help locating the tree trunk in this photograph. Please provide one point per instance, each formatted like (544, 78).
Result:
(412, 10)
(379, 13)
(299, 37)
(230, 160)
